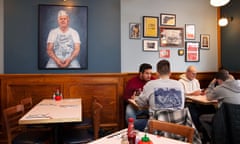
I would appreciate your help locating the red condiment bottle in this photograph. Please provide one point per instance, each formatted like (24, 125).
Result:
(131, 132)
(145, 140)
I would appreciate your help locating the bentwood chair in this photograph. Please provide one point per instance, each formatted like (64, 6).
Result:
(78, 135)
(17, 134)
(174, 128)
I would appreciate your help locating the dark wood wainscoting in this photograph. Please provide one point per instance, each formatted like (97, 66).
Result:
(107, 88)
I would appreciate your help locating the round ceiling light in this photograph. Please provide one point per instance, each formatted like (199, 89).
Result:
(218, 3)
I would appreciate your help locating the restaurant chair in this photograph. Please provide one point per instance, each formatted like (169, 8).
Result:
(182, 117)
(77, 135)
(27, 103)
(174, 128)
(17, 134)
(226, 124)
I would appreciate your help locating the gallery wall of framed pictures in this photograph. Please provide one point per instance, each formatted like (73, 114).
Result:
(161, 34)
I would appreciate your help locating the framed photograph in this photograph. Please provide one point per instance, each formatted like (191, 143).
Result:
(171, 37)
(205, 41)
(164, 53)
(134, 31)
(180, 52)
(150, 45)
(150, 26)
(62, 37)
(192, 51)
(190, 31)
(167, 19)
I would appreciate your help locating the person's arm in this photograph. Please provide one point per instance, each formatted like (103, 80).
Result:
(194, 93)
(73, 55)
(52, 55)
(210, 91)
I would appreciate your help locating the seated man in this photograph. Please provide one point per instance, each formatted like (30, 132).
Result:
(192, 88)
(227, 90)
(133, 88)
(190, 83)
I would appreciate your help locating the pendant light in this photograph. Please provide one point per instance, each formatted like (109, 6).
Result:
(223, 22)
(218, 3)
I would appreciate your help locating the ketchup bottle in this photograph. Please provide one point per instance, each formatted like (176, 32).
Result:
(131, 132)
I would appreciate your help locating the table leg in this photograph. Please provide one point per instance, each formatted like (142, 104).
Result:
(56, 134)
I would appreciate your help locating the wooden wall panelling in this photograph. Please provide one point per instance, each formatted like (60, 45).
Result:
(107, 90)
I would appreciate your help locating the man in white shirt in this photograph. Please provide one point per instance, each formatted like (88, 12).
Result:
(192, 88)
(190, 83)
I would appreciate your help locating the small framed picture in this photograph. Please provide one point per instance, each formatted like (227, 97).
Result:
(205, 41)
(164, 53)
(134, 31)
(190, 31)
(150, 45)
(180, 52)
(192, 51)
(167, 19)
(150, 26)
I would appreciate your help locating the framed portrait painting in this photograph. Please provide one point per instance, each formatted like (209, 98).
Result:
(134, 31)
(62, 37)
(205, 41)
(192, 51)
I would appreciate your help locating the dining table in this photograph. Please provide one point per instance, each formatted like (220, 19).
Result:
(116, 138)
(54, 112)
(201, 99)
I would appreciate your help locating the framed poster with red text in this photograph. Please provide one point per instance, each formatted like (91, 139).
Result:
(192, 51)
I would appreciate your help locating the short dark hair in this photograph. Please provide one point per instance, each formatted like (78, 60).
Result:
(144, 66)
(222, 75)
(163, 67)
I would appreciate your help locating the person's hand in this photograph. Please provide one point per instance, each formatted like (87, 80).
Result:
(203, 92)
(133, 96)
(60, 63)
(67, 62)
(196, 93)
(214, 81)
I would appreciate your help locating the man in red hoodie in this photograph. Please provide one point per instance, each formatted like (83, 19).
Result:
(134, 88)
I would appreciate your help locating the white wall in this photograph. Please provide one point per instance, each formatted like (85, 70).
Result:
(1, 37)
(198, 12)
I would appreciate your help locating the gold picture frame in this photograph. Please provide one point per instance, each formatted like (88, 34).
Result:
(150, 26)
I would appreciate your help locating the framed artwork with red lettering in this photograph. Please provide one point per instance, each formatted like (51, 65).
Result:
(192, 51)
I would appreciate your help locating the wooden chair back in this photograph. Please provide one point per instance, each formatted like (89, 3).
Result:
(27, 103)
(11, 116)
(96, 116)
(174, 128)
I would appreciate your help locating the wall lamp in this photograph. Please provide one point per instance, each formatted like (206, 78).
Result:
(218, 3)
(222, 22)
